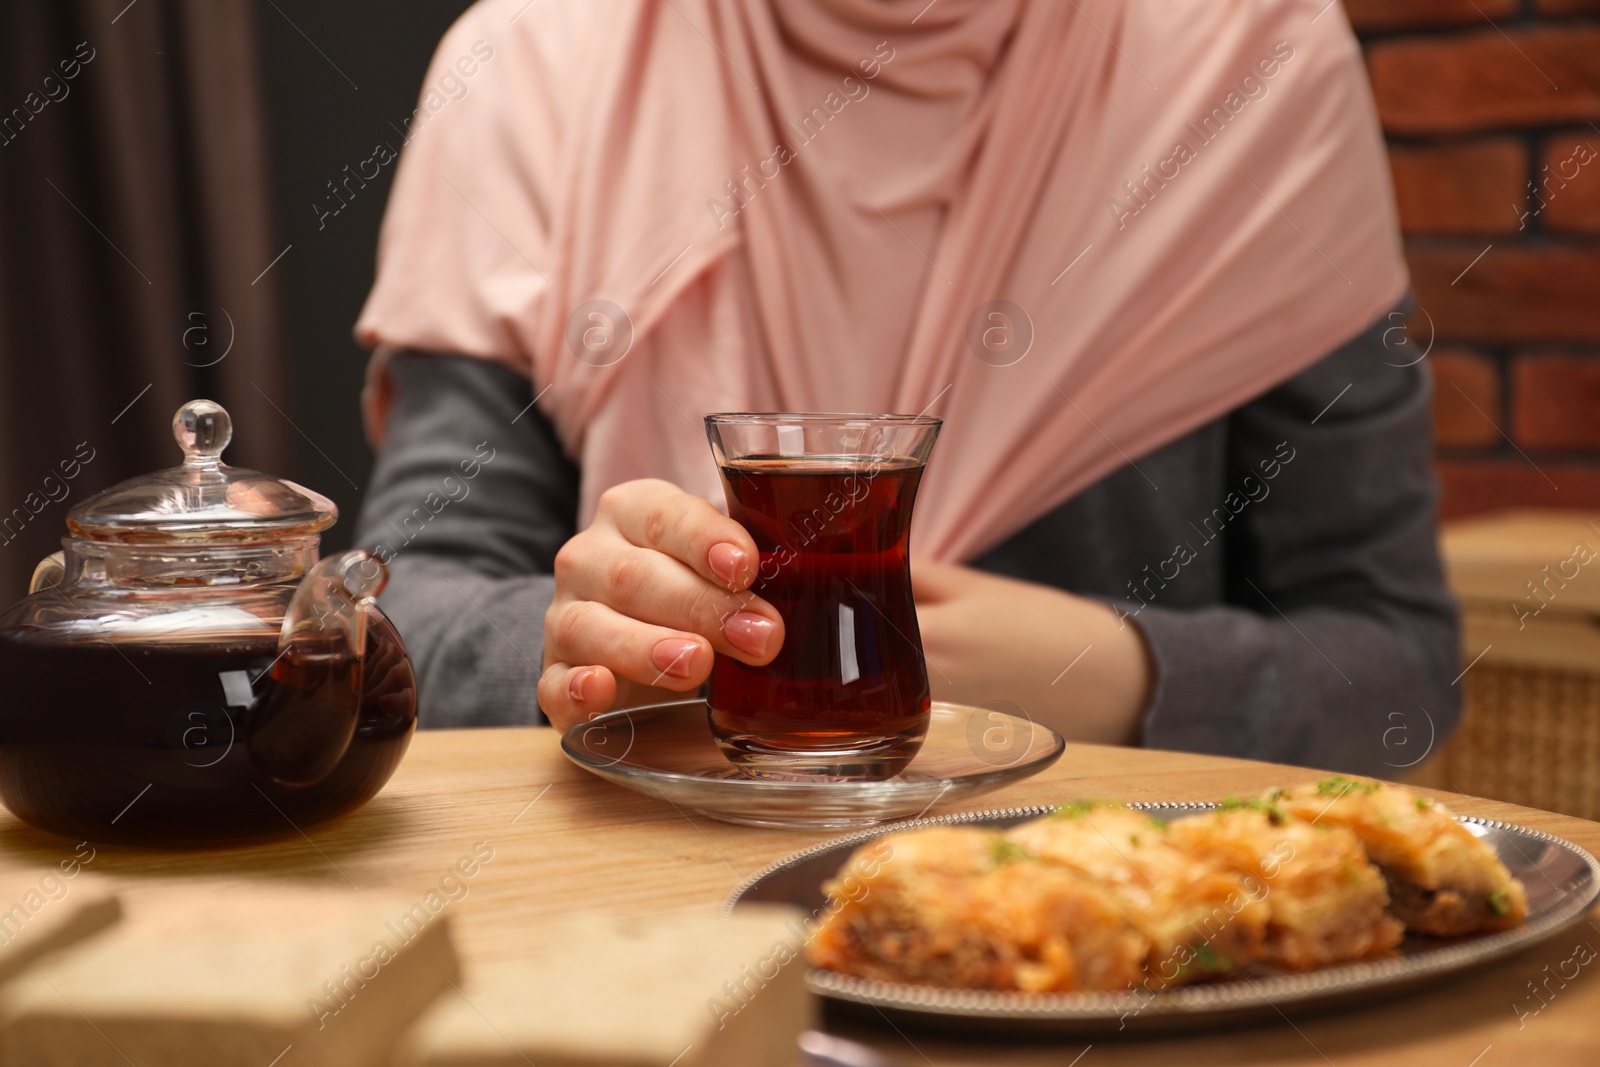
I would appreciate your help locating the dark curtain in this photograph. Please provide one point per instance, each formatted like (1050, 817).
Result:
(135, 246)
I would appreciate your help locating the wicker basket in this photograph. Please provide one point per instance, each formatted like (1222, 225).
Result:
(1531, 736)
(1530, 733)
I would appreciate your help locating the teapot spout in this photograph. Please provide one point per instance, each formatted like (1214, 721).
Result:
(301, 725)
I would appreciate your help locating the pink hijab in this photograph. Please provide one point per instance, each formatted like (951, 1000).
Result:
(1074, 229)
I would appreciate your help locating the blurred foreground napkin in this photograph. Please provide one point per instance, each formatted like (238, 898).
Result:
(40, 913)
(204, 974)
(686, 991)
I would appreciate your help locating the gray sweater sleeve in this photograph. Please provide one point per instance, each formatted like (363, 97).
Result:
(1338, 637)
(1329, 638)
(470, 499)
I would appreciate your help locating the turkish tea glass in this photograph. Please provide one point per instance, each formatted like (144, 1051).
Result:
(827, 499)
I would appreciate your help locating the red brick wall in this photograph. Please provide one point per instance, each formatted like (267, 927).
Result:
(1479, 98)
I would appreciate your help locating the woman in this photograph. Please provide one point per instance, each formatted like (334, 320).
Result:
(1141, 256)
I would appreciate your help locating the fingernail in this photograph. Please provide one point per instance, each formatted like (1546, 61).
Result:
(749, 632)
(672, 656)
(725, 559)
(577, 683)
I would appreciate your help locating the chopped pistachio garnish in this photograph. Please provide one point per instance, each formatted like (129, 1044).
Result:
(1077, 809)
(1006, 851)
(1274, 813)
(1339, 785)
(1500, 902)
(1209, 958)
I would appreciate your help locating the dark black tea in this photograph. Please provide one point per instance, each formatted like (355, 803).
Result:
(850, 686)
(181, 743)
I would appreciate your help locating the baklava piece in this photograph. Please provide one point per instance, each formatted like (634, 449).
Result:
(1200, 920)
(1326, 903)
(963, 908)
(1443, 880)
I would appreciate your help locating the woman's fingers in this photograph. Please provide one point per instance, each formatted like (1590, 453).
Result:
(658, 515)
(583, 631)
(646, 597)
(655, 588)
(571, 694)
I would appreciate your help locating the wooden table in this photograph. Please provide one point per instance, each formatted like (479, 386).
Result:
(565, 842)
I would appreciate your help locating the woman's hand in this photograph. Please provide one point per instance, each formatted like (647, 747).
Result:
(646, 594)
(989, 638)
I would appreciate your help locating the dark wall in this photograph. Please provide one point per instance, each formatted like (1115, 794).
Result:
(339, 80)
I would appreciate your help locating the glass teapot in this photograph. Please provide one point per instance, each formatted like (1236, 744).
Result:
(187, 671)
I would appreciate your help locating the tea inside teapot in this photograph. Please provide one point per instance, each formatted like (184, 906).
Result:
(187, 671)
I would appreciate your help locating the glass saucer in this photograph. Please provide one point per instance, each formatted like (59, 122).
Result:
(666, 751)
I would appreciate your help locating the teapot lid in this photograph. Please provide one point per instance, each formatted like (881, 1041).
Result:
(202, 499)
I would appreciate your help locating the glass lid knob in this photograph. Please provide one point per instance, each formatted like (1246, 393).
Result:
(203, 430)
